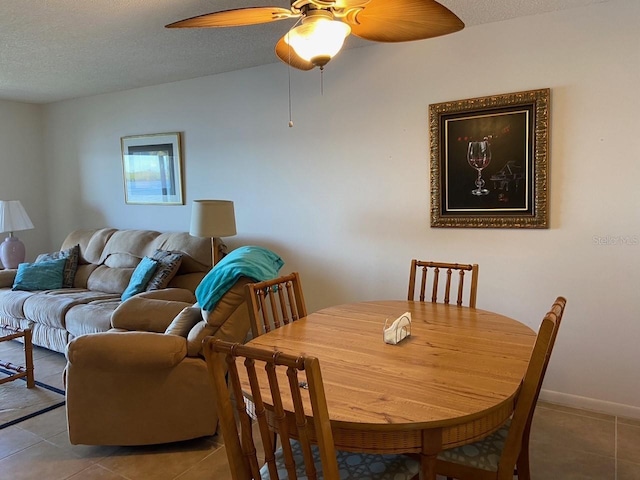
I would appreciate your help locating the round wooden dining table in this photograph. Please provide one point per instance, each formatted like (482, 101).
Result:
(452, 381)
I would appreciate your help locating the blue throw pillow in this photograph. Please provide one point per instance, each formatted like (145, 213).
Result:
(140, 277)
(47, 275)
(72, 255)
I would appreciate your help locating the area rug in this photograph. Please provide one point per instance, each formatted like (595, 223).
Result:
(19, 403)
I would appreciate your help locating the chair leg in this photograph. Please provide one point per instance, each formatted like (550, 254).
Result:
(522, 466)
(522, 470)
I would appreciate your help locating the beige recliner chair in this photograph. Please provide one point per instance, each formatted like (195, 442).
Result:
(145, 381)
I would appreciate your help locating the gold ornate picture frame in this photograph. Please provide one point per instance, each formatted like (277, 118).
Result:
(152, 169)
(489, 161)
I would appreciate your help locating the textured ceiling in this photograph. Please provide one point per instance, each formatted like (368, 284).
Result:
(56, 50)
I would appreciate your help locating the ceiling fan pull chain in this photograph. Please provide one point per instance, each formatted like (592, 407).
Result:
(290, 116)
(289, 74)
(322, 81)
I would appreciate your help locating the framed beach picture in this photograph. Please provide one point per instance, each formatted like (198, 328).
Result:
(152, 169)
(489, 161)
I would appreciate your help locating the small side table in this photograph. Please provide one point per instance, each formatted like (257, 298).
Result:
(21, 371)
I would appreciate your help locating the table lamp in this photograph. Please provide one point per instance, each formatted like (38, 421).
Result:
(215, 219)
(13, 218)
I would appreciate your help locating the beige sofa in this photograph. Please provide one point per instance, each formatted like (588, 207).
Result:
(145, 381)
(107, 260)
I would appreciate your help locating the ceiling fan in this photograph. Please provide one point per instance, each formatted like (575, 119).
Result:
(323, 25)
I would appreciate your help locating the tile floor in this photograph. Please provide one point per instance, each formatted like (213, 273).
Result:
(566, 444)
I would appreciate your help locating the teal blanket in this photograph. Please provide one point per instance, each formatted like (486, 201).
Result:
(257, 263)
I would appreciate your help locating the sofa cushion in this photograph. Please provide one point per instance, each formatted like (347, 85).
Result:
(175, 294)
(184, 322)
(188, 281)
(45, 275)
(105, 279)
(92, 317)
(84, 271)
(168, 265)
(51, 307)
(138, 243)
(48, 310)
(71, 255)
(12, 303)
(146, 314)
(7, 277)
(197, 249)
(121, 260)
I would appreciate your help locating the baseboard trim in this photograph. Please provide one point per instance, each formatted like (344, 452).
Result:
(592, 404)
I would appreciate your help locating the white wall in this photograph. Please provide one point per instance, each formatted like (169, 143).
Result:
(343, 196)
(22, 174)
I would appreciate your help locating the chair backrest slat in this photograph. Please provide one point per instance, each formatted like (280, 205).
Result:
(423, 284)
(436, 267)
(274, 303)
(284, 388)
(434, 292)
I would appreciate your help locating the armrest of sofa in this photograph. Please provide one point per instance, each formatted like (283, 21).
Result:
(7, 277)
(146, 314)
(172, 294)
(126, 350)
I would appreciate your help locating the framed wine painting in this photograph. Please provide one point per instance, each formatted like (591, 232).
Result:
(489, 161)
(152, 169)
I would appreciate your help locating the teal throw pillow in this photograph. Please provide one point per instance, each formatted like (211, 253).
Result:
(46, 275)
(140, 277)
(72, 255)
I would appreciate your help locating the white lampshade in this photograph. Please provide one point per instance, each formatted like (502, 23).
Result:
(13, 217)
(318, 38)
(212, 218)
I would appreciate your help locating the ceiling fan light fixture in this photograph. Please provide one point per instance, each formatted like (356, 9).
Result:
(318, 38)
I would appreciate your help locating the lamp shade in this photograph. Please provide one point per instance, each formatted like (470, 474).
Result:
(13, 217)
(318, 38)
(212, 218)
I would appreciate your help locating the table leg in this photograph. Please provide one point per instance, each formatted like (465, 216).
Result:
(431, 446)
(28, 353)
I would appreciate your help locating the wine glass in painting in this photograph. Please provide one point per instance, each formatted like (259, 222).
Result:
(479, 157)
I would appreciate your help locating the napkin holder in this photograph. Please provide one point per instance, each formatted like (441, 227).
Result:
(399, 329)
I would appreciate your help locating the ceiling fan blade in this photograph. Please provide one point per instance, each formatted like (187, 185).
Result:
(403, 20)
(236, 17)
(287, 54)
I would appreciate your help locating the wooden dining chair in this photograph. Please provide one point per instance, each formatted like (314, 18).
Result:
(523, 470)
(274, 303)
(293, 381)
(504, 453)
(430, 273)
